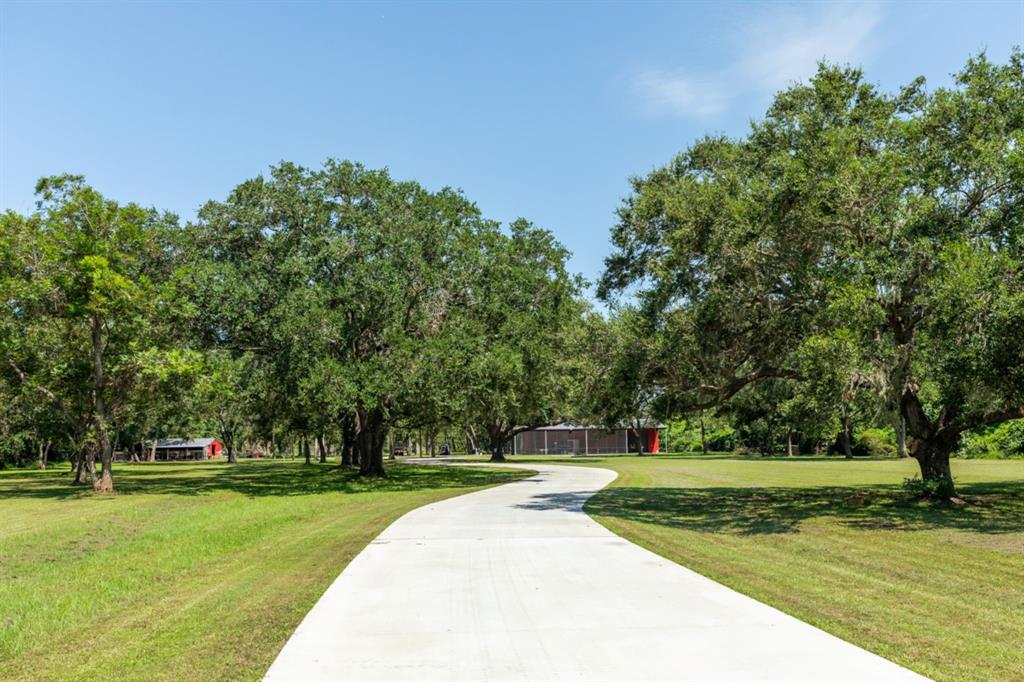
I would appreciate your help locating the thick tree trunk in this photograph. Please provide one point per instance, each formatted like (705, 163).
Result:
(370, 439)
(844, 436)
(932, 456)
(305, 450)
(348, 443)
(320, 446)
(703, 435)
(229, 444)
(105, 483)
(497, 438)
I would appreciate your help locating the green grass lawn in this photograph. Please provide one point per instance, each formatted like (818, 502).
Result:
(193, 571)
(838, 544)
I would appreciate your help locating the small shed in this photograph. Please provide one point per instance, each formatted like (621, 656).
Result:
(171, 449)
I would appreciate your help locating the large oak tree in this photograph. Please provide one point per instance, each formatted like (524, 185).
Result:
(889, 223)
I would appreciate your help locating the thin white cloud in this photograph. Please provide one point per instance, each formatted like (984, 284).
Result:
(678, 94)
(787, 46)
(773, 49)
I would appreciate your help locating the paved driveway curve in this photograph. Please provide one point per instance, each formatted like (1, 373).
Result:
(517, 583)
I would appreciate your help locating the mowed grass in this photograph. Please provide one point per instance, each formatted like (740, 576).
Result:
(838, 544)
(193, 571)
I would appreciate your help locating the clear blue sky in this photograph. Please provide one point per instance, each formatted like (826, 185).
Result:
(538, 110)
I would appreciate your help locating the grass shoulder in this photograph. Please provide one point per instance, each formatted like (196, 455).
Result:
(841, 545)
(192, 571)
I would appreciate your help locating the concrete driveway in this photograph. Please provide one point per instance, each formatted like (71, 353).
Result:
(517, 583)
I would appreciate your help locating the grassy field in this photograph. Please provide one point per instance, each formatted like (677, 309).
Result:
(193, 571)
(838, 544)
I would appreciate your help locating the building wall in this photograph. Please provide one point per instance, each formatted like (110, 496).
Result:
(579, 441)
(170, 454)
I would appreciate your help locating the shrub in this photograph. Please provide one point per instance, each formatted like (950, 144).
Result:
(1004, 440)
(879, 442)
(932, 490)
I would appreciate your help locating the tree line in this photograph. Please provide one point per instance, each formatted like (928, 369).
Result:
(321, 307)
(853, 261)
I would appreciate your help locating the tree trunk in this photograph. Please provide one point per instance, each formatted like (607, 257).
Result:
(932, 456)
(844, 437)
(901, 438)
(370, 439)
(305, 450)
(105, 483)
(497, 438)
(89, 464)
(321, 447)
(78, 465)
(229, 444)
(789, 444)
(348, 444)
(703, 435)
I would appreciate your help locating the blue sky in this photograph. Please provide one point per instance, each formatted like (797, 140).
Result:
(536, 110)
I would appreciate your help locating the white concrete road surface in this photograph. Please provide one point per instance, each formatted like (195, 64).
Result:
(517, 583)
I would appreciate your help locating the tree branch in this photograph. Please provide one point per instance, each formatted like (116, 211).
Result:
(988, 419)
(57, 402)
(737, 384)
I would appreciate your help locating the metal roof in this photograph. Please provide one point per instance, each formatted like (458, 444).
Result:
(570, 426)
(183, 443)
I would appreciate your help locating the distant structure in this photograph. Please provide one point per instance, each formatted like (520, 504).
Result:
(577, 439)
(187, 448)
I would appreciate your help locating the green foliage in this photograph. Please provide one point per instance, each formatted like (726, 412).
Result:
(876, 442)
(360, 297)
(507, 365)
(1003, 440)
(90, 310)
(611, 383)
(934, 489)
(865, 246)
(683, 435)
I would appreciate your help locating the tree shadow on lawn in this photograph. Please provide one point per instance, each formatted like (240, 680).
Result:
(252, 479)
(992, 508)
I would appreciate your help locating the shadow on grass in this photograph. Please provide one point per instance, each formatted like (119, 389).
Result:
(992, 508)
(253, 479)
